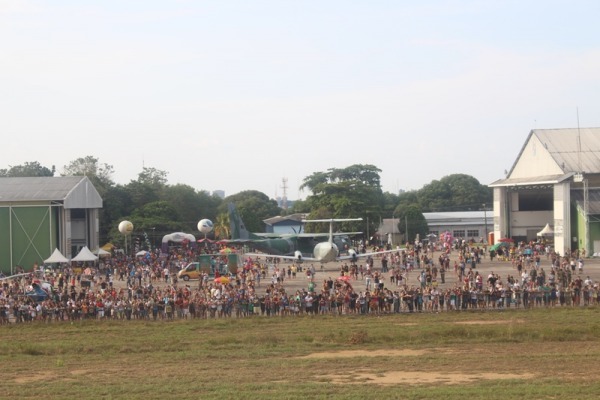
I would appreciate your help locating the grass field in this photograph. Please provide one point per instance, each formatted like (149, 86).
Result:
(534, 354)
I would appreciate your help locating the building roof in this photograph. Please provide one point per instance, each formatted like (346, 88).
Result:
(73, 191)
(456, 218)
(535, 181)
(278, 219)
(573, 149)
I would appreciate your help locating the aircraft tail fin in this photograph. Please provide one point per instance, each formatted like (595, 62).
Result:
(236, 225)
(331, 221)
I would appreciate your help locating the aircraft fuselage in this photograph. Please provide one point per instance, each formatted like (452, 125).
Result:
(326, 252)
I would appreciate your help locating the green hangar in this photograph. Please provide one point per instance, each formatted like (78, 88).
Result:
(39, 214)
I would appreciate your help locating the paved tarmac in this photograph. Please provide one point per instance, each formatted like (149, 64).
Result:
(332, 269)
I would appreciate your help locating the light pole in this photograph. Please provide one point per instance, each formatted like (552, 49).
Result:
(392, 237)
(485, 239)
(406, 228)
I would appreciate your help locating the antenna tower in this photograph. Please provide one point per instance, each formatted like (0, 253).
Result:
(284, 186)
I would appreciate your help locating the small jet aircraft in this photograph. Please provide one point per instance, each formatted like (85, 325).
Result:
(296, 246)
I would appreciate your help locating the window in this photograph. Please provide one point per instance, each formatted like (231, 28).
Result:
(536, 201)
(472, 233)
(458, 234)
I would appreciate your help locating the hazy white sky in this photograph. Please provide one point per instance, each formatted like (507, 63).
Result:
(237, 95)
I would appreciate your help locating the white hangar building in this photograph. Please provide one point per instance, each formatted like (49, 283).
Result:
(555, 180)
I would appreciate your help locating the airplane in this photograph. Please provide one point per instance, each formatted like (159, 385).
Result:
(291, 244)
(295, 246)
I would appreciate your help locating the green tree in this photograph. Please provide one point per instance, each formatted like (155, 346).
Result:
(411, 222)
(155, 219)
(350, 192)
(116, 205)
(99, 174)
(457, 192)
(192, 205)
(253, 207)
(148, 187)
(221, 226)
(28, 169)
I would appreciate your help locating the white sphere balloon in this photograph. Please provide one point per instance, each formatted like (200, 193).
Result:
(205, 226)
(126, 227)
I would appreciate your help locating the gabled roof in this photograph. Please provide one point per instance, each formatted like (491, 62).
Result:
(536, 181)
(73, 191)
(573, 149)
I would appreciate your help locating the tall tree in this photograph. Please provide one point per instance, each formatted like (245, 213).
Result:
(350, 192)
(28, 169)
(411, 222)
(192, 205)
(253, 207)
(99, 174)
(221, 226)
(148, 187)
(457, 192)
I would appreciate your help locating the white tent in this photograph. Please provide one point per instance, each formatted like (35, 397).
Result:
(546, 231)
(85, 255)
(101, 252)
(56, 257)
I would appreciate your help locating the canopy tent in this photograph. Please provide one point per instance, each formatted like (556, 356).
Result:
(85, 255)
(56, 257)
(546, 231)
(177, 237)
(101, 252)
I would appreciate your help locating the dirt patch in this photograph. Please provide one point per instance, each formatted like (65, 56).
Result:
(38, 376)
(419, 378)
(486, 322)
(367, 353)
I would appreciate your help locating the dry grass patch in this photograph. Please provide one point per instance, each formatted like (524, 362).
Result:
(366, 353)
(488, 322)
(419, 378)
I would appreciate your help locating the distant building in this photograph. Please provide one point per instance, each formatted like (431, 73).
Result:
(466, 225)
(289, 224)
(39, 214)
(555, 180)
(461, 224)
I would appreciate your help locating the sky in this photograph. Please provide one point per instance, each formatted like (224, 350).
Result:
(237, 95)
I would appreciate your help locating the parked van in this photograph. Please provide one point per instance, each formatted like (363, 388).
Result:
(210, 265)
(191, 271)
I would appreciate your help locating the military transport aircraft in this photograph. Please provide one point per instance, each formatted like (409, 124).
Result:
(291, 244)
(324, 247)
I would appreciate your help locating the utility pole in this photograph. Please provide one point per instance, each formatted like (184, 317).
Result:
(485, 239)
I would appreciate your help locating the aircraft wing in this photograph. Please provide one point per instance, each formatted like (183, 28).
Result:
(315, 235)
(363, 255)
(14, 276)
(266, 255)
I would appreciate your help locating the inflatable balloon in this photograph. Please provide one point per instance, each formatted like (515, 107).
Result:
(205, 226)
(125, 227)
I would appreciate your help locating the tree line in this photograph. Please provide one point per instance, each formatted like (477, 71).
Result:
(156, 207)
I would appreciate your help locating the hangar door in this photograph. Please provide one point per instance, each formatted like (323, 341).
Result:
(28, 235)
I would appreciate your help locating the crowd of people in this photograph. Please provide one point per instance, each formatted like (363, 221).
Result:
(410, 280)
